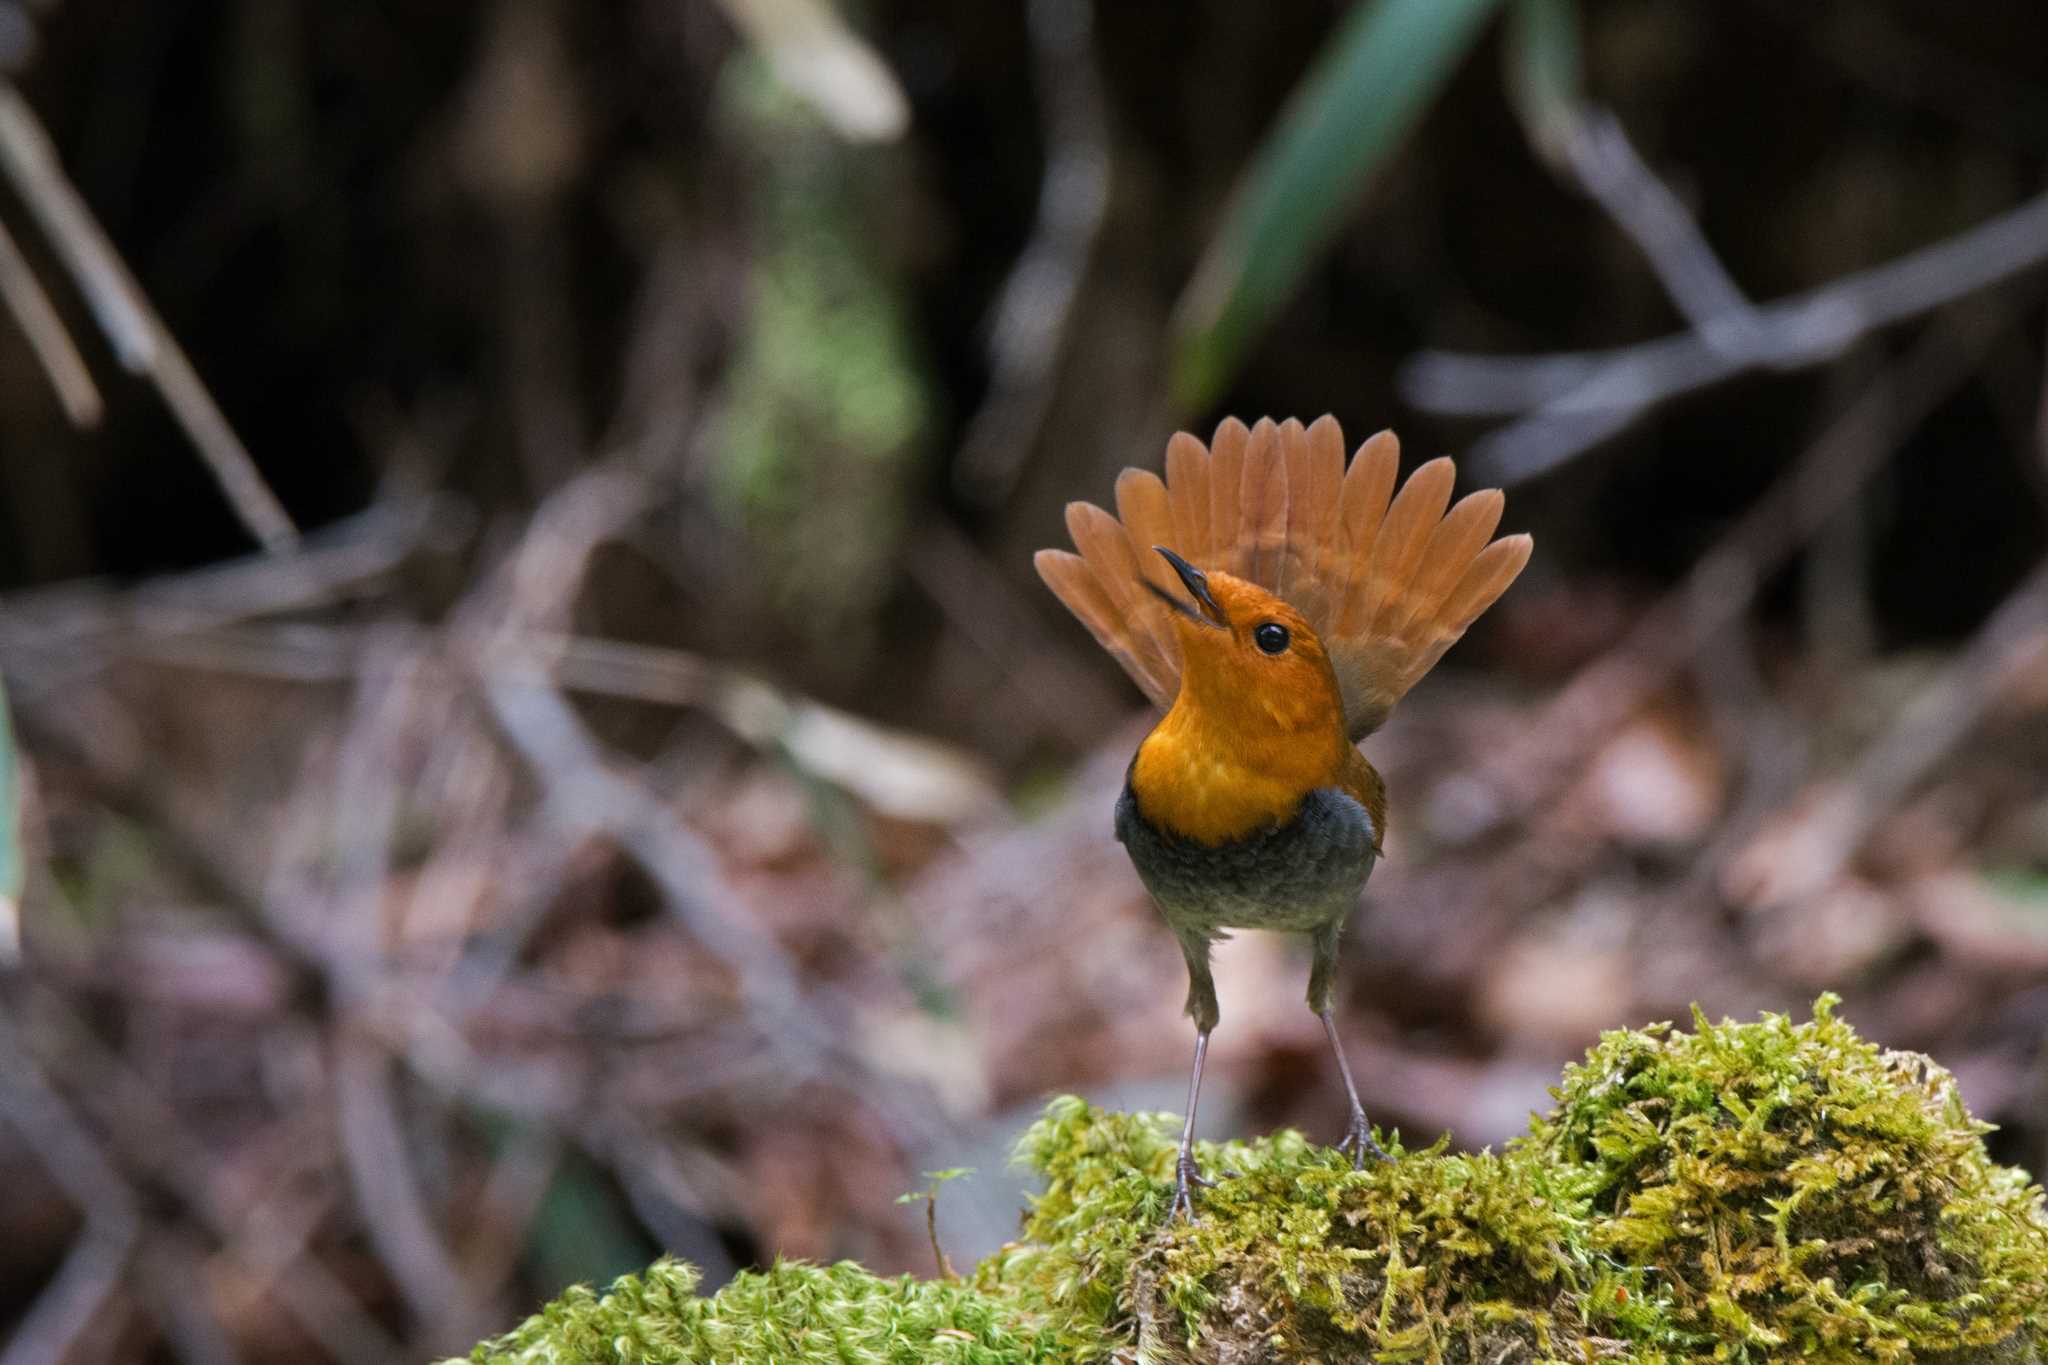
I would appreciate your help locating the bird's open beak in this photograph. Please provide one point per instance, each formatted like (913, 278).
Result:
(1197, 583)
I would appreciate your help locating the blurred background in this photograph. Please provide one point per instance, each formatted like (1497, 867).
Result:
(536, 741)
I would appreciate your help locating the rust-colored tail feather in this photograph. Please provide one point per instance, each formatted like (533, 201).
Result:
(1262, 506)
(1389, 581)
(1147, 515)
(1187, 492)
(1226, 485)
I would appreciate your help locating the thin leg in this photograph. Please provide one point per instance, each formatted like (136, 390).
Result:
(1358, 1139)
(1201, 1006)
(1202, 1009)
(1185, 1173)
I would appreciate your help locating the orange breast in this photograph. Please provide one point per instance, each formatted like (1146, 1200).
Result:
(1203, 782)
(1204, 792)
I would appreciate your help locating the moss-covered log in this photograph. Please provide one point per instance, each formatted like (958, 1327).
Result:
(1745, 1192)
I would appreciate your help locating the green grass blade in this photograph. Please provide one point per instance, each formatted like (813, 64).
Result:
(1367, 89)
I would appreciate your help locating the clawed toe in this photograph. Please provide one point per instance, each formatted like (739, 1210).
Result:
(1358, 1140)
(1187, 1178)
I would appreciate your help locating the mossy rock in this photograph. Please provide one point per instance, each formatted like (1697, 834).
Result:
(1794, 1192)
(1295, 1256)
(1746, 1193)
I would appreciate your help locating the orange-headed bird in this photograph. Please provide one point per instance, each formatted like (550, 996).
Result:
(1276, 605)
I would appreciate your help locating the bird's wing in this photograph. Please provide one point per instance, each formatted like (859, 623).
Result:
(1363, 783)
(1389, 581)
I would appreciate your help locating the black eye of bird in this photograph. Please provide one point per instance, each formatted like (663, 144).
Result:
(1271, 637)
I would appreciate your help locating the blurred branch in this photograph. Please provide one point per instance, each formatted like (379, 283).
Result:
(1034, 670)
(1606, 164)
(116, 301)
(155, 1141)
(1037, 305)
(2034, 460)
(815, 54)
(1945, 712)
(1724, 582)
(586, 794)
(74, 1303)
(97, 1263)
(171, 1266)
(511, 1197)
(122, 780)
(1927, 730)
(1588, 144)
(141, 341)
(13, 865)
(393, 704)
(380, 1165)
(898, 773)
(53, 346)
(1574, 401)
(48, 635)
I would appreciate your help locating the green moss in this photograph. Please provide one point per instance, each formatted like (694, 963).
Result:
(795, 1314)
(1433, 1257)
(1748, 1192)
(1794, 1192)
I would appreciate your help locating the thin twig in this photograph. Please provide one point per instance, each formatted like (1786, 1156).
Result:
(1576, 400)
(98, 1260)
(154, 1139)
(50, 636)
(391, 705)
(73, 1303)
(1940, 716)
(53, 347)
(1608, 167)
(1725, 580)
(173, 1286)
(587, 794)
(514, 1190)
(584, 792)
(1818, 842)
(1037, 305)
(141, 341)
(380, 1168)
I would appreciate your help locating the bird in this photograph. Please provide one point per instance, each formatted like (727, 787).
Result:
(1275, 605)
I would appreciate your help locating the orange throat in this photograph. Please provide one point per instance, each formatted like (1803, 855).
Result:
(1258, 722)
(1201, 775)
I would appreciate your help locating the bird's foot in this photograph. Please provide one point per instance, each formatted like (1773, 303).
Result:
(1358, 1140)
(1187, 1177)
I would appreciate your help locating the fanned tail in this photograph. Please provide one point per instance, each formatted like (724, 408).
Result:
(1389, 581)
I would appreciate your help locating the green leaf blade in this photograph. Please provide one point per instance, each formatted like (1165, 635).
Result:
(1341, 127)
